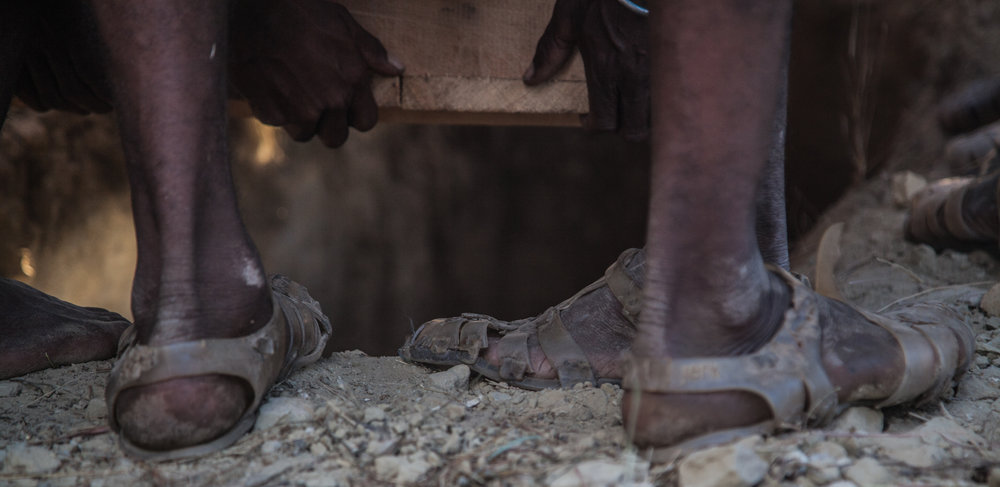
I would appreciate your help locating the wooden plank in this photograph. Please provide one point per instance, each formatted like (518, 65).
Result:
(467, 57)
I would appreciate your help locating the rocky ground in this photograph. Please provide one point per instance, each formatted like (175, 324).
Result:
(359, 420)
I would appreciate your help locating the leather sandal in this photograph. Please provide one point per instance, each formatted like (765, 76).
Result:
(461, 340)
(260, 359)
(787, 373)
(936, 217)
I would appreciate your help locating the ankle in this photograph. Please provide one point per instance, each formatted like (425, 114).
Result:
(719, 325)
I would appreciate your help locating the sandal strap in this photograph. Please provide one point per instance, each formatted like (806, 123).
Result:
(249, 358)
(953, 222)
(563, 353)
(786, 373)
(513, 352)
(293, 300)
(623, 287)
(936, 213)
(921, 344)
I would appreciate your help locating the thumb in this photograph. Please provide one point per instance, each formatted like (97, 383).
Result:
(376, 56)
(556, 46)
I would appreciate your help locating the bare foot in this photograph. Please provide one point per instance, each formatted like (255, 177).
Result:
(38, 331)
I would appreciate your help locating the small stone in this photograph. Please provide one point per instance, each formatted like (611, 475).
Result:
(991, 301)
(399, 427)
(592, 473)
(400, 469)
(822, 475)
(96, 410)
(734, 465)
(982, 361)
(318, 449)
(990, 346)
(9, 388)
(29, 459)
(843, 483)
(859, 420)
(452, 445)
(825, 461)
(497, 396)
(829, 453)
(454, 380)
(471, 403)
(270, 446)
(96, 447)
(454, 412)
(373, 414)
(905, 184)
(868, 471)
(284, 410)
(383, 447)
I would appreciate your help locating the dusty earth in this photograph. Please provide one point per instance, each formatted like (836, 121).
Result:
(358, 420)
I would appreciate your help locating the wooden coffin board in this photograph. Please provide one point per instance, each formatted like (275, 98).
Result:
(464, 61)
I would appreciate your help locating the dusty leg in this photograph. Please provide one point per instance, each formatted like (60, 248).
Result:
(707, 292)
(198, 274)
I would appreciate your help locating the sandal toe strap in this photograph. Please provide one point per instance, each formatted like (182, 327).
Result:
(571, 364)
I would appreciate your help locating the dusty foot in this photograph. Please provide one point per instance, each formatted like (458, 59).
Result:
(188, 409)
(597, 321)
(863, 362)
(38, 331)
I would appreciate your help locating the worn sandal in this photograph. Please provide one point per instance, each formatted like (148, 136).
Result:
(936, 217)
(460, 340)
(261, 359)
(788, 375)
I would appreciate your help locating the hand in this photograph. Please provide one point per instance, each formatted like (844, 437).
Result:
(614, 43)
(306, 65)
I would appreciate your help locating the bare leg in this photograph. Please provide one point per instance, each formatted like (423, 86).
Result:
(198, 274)
(703, 106)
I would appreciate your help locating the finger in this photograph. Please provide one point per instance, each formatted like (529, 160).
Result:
(555, 47)
(375, 55)
(332, 129)
(371, 49)
(364, 112)
(301, 132)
